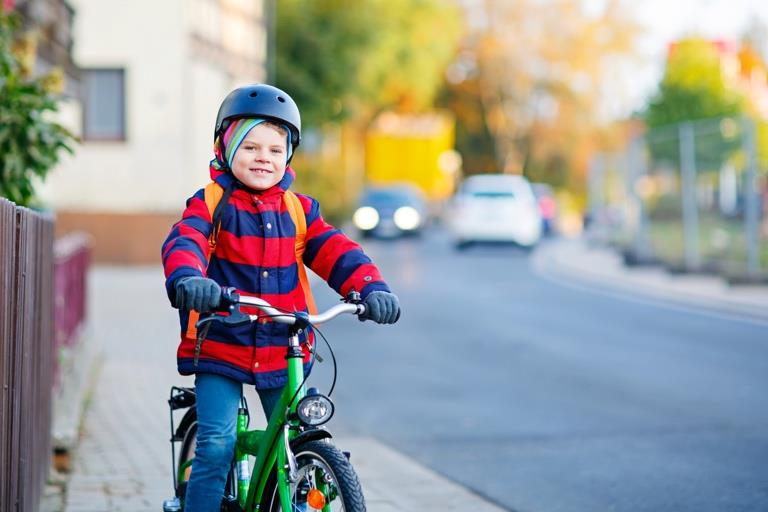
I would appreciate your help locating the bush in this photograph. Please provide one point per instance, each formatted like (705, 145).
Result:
(30, 144)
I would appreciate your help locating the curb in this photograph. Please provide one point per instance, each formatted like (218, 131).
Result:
(78, 375)
(392, 481)
(598, 267)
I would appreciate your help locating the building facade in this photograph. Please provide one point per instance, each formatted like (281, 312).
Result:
(152, 77)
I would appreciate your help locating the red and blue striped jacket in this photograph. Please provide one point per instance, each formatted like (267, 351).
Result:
(255, 253)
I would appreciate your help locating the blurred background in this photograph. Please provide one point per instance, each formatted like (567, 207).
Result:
(569, 196)
(608, 105)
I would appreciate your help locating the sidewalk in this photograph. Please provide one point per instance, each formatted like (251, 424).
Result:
(123, 461)
(577, 263)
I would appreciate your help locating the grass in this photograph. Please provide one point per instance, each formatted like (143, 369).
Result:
(722, 243)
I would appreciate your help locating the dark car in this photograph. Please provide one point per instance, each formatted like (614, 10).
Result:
(390, 211)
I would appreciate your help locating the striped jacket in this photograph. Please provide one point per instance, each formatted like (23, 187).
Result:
(255, 254)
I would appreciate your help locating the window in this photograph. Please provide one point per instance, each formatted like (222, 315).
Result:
(103, 104)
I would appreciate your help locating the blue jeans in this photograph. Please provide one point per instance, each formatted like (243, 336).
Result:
(218, 399)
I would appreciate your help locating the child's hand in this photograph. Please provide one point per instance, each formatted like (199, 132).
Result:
(198, 293)
(381, 307)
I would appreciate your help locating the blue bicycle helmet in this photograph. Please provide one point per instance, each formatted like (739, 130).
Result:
(260, 100)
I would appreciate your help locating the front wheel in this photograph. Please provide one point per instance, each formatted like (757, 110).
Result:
(324, 475)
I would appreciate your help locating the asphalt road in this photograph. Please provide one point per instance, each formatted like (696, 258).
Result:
(547, 398)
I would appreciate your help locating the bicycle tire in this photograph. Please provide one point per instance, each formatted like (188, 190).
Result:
(324, 456)
(187, 452)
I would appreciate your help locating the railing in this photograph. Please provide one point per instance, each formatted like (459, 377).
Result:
(26, 355)
(71, 260)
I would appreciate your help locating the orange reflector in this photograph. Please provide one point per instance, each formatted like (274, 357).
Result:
(316, 499)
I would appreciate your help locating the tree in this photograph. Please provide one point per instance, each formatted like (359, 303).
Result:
(694, 88)
(345, 58)
(415, 42)
(474, 140)
(541, 69)
(29, 142)
(344, 61)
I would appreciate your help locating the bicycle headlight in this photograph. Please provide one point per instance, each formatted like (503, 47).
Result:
(314, 410)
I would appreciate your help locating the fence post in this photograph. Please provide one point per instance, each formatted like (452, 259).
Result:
(26, 343)
(8, 237)
(751, 201)
(688, 191)
(637, 169)
(596, 208)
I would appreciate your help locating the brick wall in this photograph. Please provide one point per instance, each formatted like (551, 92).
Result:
(120, 238)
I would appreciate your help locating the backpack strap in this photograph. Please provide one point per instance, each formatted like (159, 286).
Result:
(216, 198)
(299, 218)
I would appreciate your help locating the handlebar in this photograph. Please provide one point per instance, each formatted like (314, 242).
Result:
(231, 301)
(290, 318)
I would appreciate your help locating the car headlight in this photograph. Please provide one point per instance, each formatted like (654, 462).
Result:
(407, 218)
(366, 218)
(314, 409)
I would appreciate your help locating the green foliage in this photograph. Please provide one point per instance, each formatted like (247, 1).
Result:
(345, 58)
(694, 88)
(29, 143)
(319, 48)
(415, 41)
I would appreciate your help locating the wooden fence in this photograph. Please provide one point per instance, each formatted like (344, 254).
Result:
(27, 359)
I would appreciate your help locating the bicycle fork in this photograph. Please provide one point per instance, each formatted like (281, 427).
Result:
(241, 459)
(287, 467)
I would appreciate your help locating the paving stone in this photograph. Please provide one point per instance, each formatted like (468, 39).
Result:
(122, 462)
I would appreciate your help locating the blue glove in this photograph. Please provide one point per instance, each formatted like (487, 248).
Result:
(198, 293)
(381, 307)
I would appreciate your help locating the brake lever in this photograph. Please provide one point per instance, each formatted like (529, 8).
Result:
(228, 304)
(234, 319)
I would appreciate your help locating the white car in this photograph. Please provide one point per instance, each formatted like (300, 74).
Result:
(495, 208)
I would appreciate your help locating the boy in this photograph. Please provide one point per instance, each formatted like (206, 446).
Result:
(252, 248)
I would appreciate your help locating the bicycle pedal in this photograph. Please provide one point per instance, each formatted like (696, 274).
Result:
(347, 454)
(172, 505)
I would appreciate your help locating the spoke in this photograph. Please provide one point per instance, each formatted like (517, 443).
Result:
(314, 473)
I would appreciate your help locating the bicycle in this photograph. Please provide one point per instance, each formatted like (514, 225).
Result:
(297, 468)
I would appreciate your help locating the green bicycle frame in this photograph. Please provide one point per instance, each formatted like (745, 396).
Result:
(271, 446)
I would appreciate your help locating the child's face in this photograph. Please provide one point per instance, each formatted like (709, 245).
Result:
(260, 160)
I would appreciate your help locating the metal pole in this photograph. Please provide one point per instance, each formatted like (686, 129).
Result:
(271, 25)
(690, 210)
(637, 167)
(597, 227)
(596, 186)
(751, 200)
